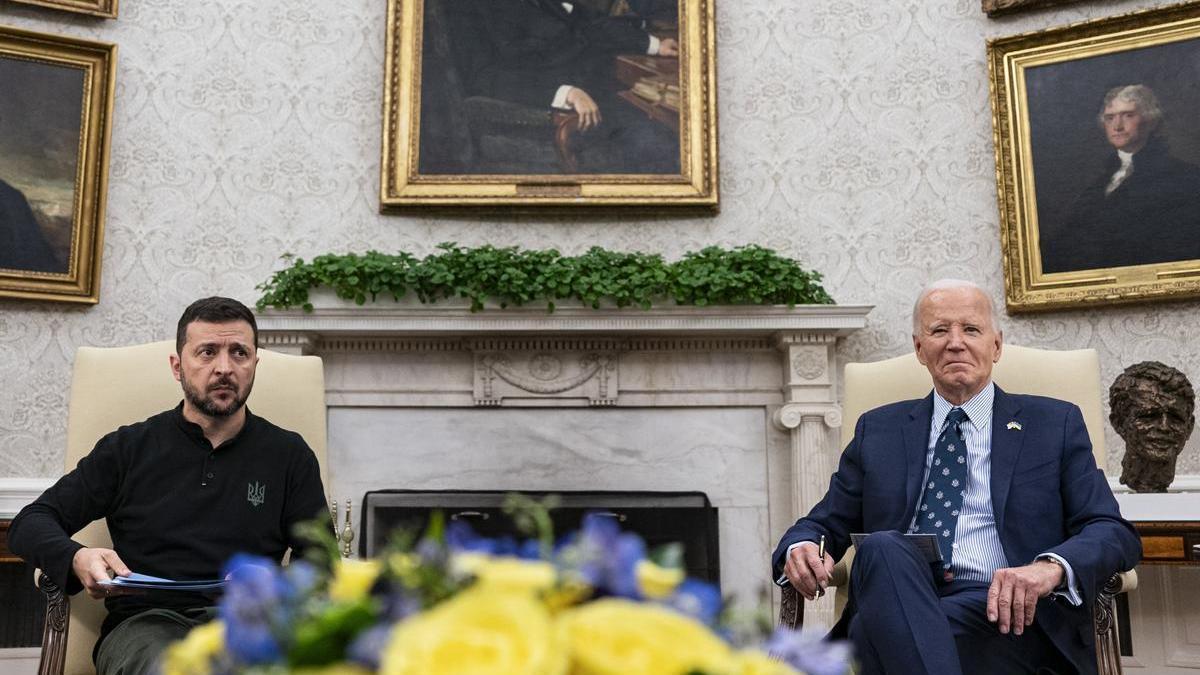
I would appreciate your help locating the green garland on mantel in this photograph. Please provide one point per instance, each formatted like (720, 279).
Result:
(745, 275)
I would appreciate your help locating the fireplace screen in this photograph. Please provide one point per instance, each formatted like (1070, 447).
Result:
(658, 517)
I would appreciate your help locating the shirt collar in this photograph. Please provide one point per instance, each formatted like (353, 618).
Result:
(978, 408)
(196, 433)
(1126, 157)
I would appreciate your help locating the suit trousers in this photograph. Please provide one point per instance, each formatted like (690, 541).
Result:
(136, 645)
(908, 621)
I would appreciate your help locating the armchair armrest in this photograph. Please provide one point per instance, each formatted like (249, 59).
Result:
(791, 606)
(54, 635)
(485, 113)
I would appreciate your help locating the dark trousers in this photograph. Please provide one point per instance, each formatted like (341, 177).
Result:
(626, 141)
(136, 645)
(908, 622)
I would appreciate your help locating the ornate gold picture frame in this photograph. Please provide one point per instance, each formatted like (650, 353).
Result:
(541, 103)
(1001, 7)
(102, 8)
(54, 147)
(1098, 160)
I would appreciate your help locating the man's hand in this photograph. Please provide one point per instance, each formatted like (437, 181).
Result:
(93, 565)
(1013, 596)
(668, 47)
(807, 572)
(585, 107)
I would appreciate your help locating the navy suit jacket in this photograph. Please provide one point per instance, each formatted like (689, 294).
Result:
(1047, 496)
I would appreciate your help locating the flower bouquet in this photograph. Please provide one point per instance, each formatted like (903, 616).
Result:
(455, 603)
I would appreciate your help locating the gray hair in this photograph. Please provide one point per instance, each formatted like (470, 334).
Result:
(944, 284)
(1138, 94)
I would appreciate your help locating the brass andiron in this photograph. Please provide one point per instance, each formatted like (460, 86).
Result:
(347, 532)
(333, 514)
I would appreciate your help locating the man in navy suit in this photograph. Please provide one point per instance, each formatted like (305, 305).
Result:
(1027, 526)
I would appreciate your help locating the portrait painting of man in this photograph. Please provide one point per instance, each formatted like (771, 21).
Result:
(519, 87)
(40, 133)
(1116, 158)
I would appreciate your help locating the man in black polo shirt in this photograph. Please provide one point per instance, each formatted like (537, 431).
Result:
(181, 492)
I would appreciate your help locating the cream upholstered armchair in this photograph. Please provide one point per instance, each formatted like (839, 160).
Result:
(123, 385)
(1068, 375)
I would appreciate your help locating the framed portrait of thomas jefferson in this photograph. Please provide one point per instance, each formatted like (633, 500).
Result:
(1098, 160)
(55, 115)
(559, 103)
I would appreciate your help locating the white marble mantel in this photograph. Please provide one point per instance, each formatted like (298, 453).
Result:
(738, 402)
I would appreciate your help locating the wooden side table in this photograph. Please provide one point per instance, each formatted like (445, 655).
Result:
(1169, 542)
(1168, 523)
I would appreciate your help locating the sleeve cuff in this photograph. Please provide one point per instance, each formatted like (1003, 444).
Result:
(560, 97)
(652, 50)
(1071, 590)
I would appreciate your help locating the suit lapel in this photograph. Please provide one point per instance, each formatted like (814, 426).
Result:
(916, 446)
(1006, 450)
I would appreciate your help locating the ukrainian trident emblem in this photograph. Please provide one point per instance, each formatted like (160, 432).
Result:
(256, 494)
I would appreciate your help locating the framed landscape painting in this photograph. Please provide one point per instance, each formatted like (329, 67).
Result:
(534, 103)
(55, 116)
(1098, 160)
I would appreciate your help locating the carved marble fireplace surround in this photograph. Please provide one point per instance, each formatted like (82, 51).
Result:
(737, 402)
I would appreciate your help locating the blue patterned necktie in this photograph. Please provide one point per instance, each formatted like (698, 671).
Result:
(946, 486)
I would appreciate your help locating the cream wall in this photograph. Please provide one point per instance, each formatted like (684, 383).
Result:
(855, 136)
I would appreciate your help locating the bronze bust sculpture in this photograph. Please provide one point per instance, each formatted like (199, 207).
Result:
(1152, 407)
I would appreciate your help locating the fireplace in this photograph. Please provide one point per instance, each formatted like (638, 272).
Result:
(659, 517)
(737, 404)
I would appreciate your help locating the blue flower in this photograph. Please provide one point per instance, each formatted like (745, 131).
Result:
(367, 648)
(605, 557)
(252, 605)
(697, 599)
(809, 653)
(401, 604)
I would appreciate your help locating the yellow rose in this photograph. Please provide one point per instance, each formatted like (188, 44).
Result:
(620, 637)
(657, 582)
(469, 562)
(507, 574)
(759, 663)
(481, 631)
(193, 654)
(569, 592)
(353, 578)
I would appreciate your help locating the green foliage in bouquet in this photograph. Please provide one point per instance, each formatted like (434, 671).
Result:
(745, 275)
(454, 603)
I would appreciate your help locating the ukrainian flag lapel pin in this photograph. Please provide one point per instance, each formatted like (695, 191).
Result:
(1014, 425)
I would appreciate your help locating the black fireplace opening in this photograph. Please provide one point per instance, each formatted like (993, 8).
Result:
(658, 517)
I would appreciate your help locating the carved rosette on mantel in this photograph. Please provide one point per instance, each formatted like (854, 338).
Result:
(662, 364)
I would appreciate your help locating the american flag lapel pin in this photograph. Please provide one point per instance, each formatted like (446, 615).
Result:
(1014, 425)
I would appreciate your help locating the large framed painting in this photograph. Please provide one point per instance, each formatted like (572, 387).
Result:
(55, 116)
(1098, 160)
(102, 8)
(533, 103)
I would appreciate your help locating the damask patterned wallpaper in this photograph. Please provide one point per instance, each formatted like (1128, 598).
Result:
(855, 135)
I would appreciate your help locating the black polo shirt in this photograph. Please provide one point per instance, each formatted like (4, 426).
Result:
(176, 507)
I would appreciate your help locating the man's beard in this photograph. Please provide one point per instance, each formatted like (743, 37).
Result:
(208, 406)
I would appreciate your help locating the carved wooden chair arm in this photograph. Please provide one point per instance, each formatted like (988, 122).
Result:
(791, 607)
(54, 635)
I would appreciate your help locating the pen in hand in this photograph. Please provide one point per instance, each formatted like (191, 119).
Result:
(821, 554)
